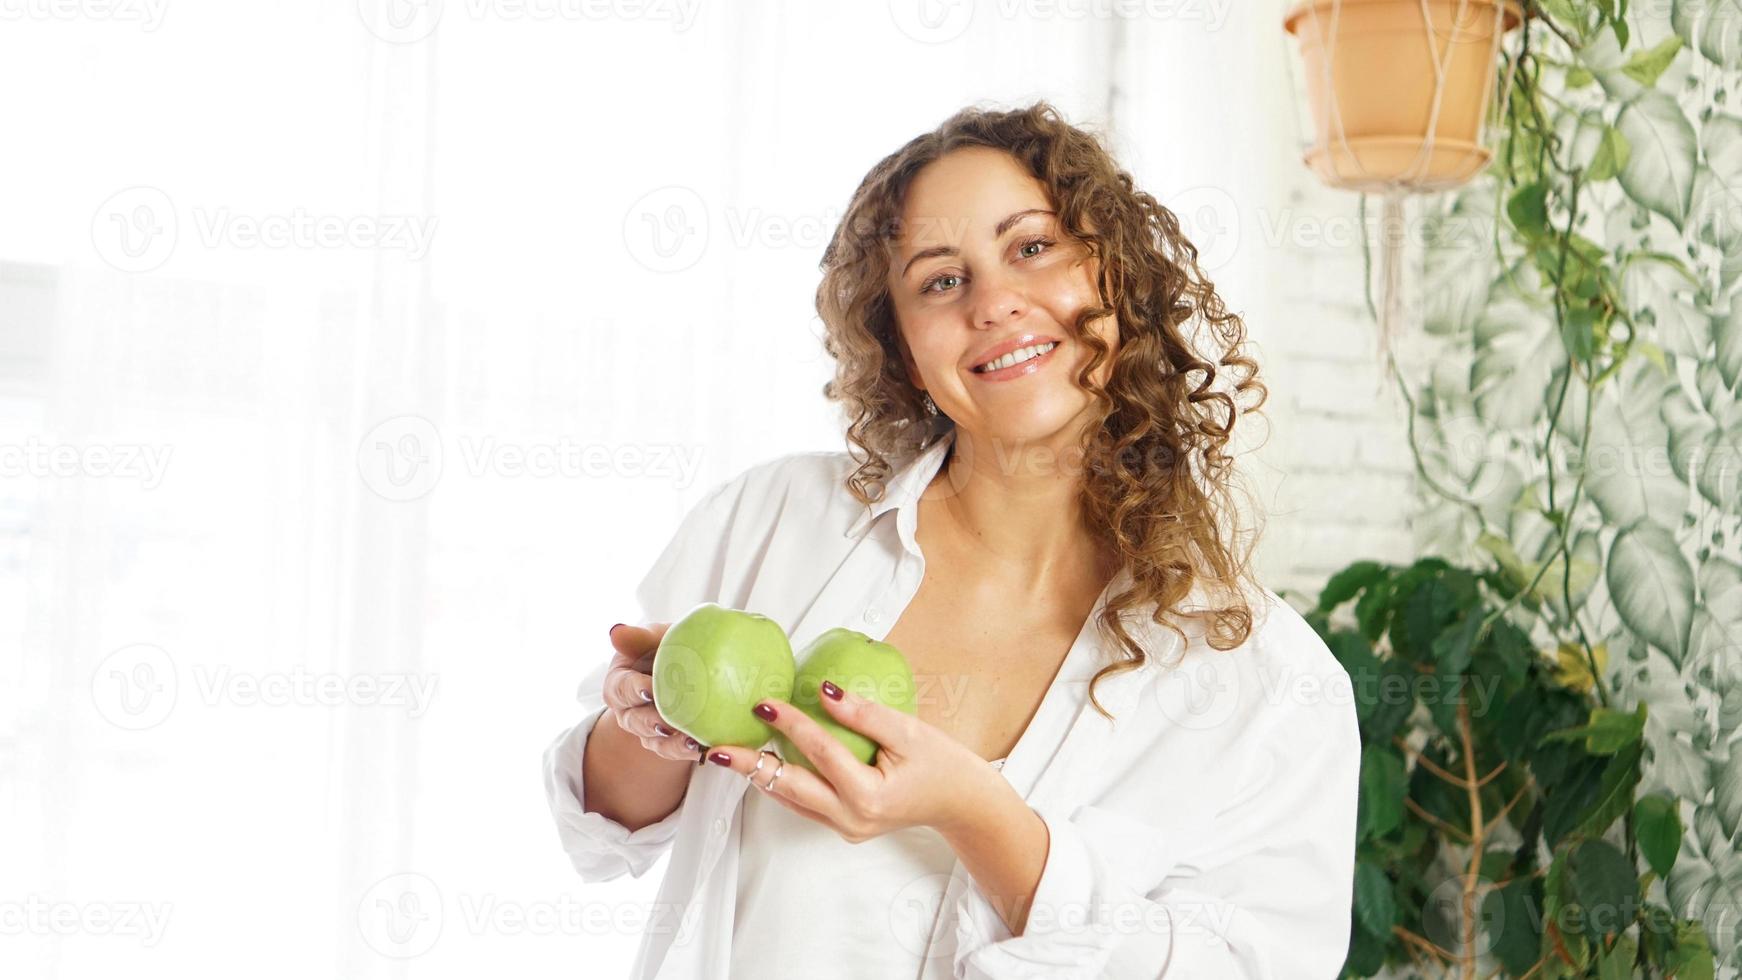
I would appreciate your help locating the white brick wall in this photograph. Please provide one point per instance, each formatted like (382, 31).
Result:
(1345, 488)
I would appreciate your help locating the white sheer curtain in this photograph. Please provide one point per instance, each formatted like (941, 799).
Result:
(346, 389)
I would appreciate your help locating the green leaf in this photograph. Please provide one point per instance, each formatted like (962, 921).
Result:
(1612, 153)
(1614, 791)
(1727, 790)
(1375, 900)
(1657, 822)
(1693, 954)
(1604, 883)
(1718, 190)
(1623, 458)
(1528, 209)
(1587, 564)
(1579, 333)
(1426, 609)
(1653, 587)
(1608, 731)
(1373, 609)
(1366, 952)
(1516, 932)
(1577, 788)
(1516, 351)
(1727, 331)
(1660, 168)
(1506, 555)
(1645, 66)
(1383, 784)
(1343, 585)
(1452, 647)
(1659, 291)
(1616, 962)
(1712, 26)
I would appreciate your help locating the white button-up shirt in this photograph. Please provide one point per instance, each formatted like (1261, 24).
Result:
(1209, 831)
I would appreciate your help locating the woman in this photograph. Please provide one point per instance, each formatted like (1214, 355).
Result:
(1128, 759)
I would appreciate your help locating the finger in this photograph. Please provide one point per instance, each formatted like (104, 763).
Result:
(889, 728)
(802, 811)
(796, 785)
(626, 688)
(634, 642)
(678, 748)
(834, 761)
(645, 722)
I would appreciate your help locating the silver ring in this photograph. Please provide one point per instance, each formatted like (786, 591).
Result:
(777, 771)
(751, 774)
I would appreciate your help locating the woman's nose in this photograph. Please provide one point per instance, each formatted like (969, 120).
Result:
(998, 304)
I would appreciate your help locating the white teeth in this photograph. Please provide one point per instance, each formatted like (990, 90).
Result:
(1017, 357)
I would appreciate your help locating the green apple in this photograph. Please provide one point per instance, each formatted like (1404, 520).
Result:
(856, 663)
(713, 666)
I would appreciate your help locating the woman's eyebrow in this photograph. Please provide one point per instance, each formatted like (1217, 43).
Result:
(997, 232)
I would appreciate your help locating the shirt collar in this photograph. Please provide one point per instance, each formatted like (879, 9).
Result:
(904, 488)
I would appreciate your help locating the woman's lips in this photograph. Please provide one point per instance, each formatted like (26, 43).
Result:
(1016, 371)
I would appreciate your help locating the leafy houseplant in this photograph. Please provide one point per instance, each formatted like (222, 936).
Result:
(1565, 797)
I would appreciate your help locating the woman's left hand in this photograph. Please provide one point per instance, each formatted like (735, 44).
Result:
(923, 777)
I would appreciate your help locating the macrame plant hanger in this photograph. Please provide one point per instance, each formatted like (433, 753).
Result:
(1416, 176)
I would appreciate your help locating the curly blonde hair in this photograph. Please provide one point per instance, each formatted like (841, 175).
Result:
(1158, 482)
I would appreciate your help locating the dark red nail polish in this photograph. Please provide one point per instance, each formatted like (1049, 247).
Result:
(830, 691)
(719, 758)
(765, 712)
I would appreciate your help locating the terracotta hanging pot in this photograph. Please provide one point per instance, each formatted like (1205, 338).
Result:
(1398, 102)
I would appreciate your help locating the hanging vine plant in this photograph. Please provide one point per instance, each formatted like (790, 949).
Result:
(1551, 699)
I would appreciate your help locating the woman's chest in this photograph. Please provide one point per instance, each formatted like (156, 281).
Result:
(983, 665)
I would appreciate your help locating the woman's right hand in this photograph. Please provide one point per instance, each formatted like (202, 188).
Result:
(629, 694)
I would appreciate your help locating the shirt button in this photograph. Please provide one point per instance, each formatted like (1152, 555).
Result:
(719, 828)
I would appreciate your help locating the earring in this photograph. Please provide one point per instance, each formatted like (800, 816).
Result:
(931, 407)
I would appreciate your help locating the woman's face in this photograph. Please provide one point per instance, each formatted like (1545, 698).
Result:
(984, 267)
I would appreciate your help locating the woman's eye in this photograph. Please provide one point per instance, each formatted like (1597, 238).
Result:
(932, 285)
(936, 281)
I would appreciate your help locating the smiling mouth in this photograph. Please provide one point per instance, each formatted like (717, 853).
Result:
(1015, 357)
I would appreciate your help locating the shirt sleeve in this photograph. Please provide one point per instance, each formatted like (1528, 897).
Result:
(1269, 898)
(688, 572)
